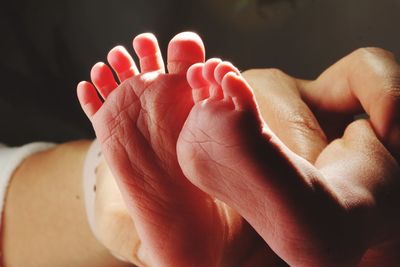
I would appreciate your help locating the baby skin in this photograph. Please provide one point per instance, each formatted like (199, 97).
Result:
(209, 122)
(138, 125)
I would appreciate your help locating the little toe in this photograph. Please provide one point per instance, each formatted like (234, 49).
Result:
(222, 69)
(88, 98)
(199, 85)
(122, 63)
(216, 92)
(148, 51)
(184, 50)
(103, 78)
(240, 91)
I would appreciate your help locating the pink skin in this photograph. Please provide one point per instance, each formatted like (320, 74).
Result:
(138, 125)
(322, 214)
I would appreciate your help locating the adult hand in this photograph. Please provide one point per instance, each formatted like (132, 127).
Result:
(307, 115)
(315, 112)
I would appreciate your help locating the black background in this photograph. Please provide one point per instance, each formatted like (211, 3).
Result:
(47, 47)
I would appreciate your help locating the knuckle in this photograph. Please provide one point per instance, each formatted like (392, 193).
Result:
(304, 124)
(252, 72)
(383, 66)
(267, 73)
(378, 61)
(270, 79)
(376, 52)
(391, 87)
(274, 73)
(393, 91)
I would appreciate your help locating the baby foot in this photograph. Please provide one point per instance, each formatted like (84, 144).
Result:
(138, 126)
(228, 151)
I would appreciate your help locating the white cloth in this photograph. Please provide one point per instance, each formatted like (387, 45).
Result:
(10, 159)
(93, 159)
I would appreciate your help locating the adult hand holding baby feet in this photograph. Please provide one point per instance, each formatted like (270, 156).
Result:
(138, 126)
(323, 212)
(312, 231)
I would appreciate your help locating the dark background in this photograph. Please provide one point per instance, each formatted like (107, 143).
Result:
(48, 46)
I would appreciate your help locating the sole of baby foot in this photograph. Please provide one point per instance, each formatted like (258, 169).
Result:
(138, 123)
(226, 150)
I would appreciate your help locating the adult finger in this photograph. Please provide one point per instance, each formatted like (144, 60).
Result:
(367, 79)
(285, 112)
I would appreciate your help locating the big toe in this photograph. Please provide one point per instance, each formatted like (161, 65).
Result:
(239, 90)
(184, 50)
